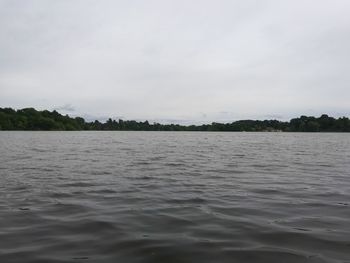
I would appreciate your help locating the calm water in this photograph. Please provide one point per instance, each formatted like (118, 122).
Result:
(174, 197)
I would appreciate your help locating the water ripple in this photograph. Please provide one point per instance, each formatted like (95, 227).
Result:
(174, 197)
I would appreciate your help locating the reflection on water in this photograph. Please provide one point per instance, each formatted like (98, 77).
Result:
(174, 197)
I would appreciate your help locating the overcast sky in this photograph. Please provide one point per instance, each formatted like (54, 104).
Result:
(181, 61)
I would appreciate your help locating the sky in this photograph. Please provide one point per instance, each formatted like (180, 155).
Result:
(176, 61)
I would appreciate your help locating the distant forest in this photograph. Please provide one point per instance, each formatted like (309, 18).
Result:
(31, 119)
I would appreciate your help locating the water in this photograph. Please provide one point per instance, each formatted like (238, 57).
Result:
(174, 197)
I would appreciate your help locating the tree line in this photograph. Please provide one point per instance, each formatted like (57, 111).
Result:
(31, 119)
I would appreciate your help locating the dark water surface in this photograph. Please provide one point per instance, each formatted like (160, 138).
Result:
(174, 197)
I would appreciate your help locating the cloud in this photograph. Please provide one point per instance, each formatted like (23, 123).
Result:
(274, 116)
(174, 60)
(65, 108)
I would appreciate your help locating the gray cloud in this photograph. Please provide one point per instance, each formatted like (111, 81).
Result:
(65, 108)
(177, 60)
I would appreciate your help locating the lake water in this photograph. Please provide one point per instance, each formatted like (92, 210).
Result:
(174, 197)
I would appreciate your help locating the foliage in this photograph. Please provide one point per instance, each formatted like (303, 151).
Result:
(31, 119)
